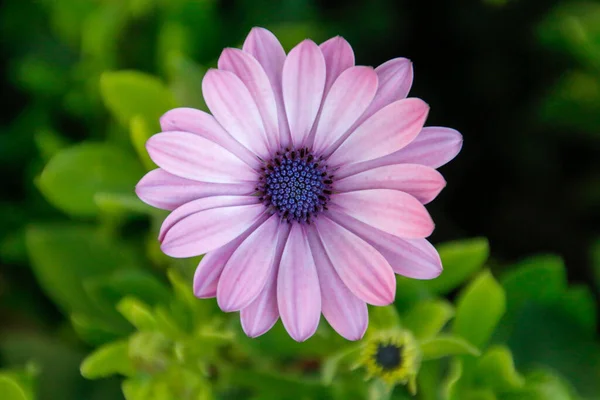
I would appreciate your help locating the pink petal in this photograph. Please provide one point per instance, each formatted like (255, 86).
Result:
(298, 293)
(432, 147)
(208, 272)
(423, 183)
(248, 268)
(392, 211)
(194, 157)
(339, 56)
(212, 264)
(163, 190)
(203, 204)
(303, 84)
(232, 105)
(362, 269)
(209, 229)
(265, 47)
(205, 125)
(345, 312)
(262, 314)
(395, 79)
(255, 78)
(413, 258)
(387, 131)
(348, 98)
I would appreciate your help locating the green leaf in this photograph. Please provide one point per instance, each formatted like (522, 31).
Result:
(26, 378)
(118, 204)
(461, 259)
(93, 330)
(278, 385)
(137, 389)
(185, 80)
(108, 360)
(150, 351)
(109, 289)
(100, 33)
(379, 390)
(173, 384)
(166, 324)
(479, 309)
(56, 361)
(428, 380)
(450, 385)
(128, 94)
(63, 256)
(478, 394)
(73, 176)
(541, 278)
(278, 343)
(137, 313)
(382, 318)
(427, 318)
(542, 384)
(200, 310)
(410, 292)
(11, 390)
(139, 133)
(580, 304)
(496, 370)
(332, 363)
(573, 103)
(446, 345)
(573, 27)
(49, 142)
(539, 328)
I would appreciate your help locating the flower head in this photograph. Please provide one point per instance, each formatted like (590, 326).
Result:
(393, 357)
(304, 188)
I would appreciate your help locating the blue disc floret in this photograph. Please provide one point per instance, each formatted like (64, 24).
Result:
(295, 184)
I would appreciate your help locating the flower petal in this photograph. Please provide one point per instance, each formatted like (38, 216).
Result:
(208, 272)
(161, 189)
(423, 183)
(395, 79)
(432, 147)
(265, 47)
(263, 312)
(203, 204)
(194, 157)
(298, 293)
(205, 125)
(207, 230)
(348, 98)
(362, 269)
(387, 131)
(413, 258)
(392, 211)
(339, 56)
(303, 84)
(251, 73)
(232, 105)
(345, 312)
(248, 268)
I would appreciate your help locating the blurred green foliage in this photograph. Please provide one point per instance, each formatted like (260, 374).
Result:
(128, 321)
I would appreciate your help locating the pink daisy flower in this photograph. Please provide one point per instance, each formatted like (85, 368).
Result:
(304, 188)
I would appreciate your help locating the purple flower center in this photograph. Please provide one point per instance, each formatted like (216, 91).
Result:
(388, 356)
(295, 184)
